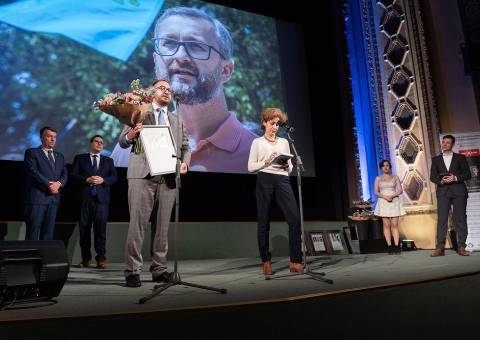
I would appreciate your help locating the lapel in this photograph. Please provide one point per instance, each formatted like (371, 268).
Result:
(172, 119)
(88, 161)
(442, 162)
(149, 116)
(102, 164)
(57, 158)
(454, 161)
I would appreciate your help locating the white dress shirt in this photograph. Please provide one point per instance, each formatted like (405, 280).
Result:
(163, 111)
(447, 159)
(98, 159)
(45, 151)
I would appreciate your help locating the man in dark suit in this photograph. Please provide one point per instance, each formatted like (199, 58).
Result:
(449, 171)
(96, 174)
(46, 173)
(147, 192)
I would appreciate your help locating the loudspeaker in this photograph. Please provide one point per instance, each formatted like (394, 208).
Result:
(32, 270)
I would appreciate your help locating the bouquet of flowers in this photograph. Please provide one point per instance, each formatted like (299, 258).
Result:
(130, 107)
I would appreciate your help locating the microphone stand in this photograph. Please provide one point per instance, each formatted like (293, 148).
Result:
(306, 270)
(176, 279)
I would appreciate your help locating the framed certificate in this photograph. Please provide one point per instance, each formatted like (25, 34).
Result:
(159, 147)
(315, 242)
(336, 242)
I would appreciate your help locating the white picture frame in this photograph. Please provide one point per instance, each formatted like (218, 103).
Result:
(318, 242)
(160, 149)
(336, 241)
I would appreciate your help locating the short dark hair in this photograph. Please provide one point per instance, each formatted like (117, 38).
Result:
(43, 129)
(450, 137)
(91, 139)
(159, 80)
(380, 165)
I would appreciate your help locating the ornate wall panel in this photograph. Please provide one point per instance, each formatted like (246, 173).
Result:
(394, 63)
(409, 110)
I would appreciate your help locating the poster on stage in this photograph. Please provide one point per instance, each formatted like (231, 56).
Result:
(468, 144)
(159, 148)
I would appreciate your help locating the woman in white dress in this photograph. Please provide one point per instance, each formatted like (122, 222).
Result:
(389, 206)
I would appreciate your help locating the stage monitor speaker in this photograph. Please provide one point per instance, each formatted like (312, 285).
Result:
(32, 270)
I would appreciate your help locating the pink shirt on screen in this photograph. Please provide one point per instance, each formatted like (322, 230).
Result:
(226, 150)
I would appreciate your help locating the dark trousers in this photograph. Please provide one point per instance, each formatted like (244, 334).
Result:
(459, 203)
(278, 186)
(96, 214)
(40, 221)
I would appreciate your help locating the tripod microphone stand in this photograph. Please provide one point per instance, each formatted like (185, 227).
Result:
(306, 269)
(176, 279)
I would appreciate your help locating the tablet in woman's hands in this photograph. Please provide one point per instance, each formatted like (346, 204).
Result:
(282, 158)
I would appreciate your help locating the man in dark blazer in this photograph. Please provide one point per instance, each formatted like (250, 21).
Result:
(146, 192)
(449, 171)
(46, 174)
(96, 174)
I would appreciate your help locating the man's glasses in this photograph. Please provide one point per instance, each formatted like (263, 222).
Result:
(195, 49)
(164, 89)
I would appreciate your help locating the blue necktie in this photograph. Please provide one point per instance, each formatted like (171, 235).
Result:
(161, 119)
(93, 188)
(50, 159)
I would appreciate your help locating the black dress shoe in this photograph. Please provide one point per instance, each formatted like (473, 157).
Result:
(390, 250)
(163, 277)
(133, 280)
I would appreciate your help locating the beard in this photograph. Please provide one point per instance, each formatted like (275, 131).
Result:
(206, 87)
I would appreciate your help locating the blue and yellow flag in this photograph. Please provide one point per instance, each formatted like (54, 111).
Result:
(112, 27)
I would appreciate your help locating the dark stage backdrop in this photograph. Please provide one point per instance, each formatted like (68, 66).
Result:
(230, 197)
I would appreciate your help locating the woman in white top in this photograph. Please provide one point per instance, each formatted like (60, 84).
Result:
(389, 206)
(273, 181)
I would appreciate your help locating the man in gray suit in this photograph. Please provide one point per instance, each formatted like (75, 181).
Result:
(450, 171)
(146, 192)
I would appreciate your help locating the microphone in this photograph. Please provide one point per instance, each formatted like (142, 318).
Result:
(287, 127)
(176, 99)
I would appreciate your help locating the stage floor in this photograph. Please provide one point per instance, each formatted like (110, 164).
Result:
(92, 292)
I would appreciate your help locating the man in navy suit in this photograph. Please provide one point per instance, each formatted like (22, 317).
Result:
(46, 173)
(96, 174)
(449, 171)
